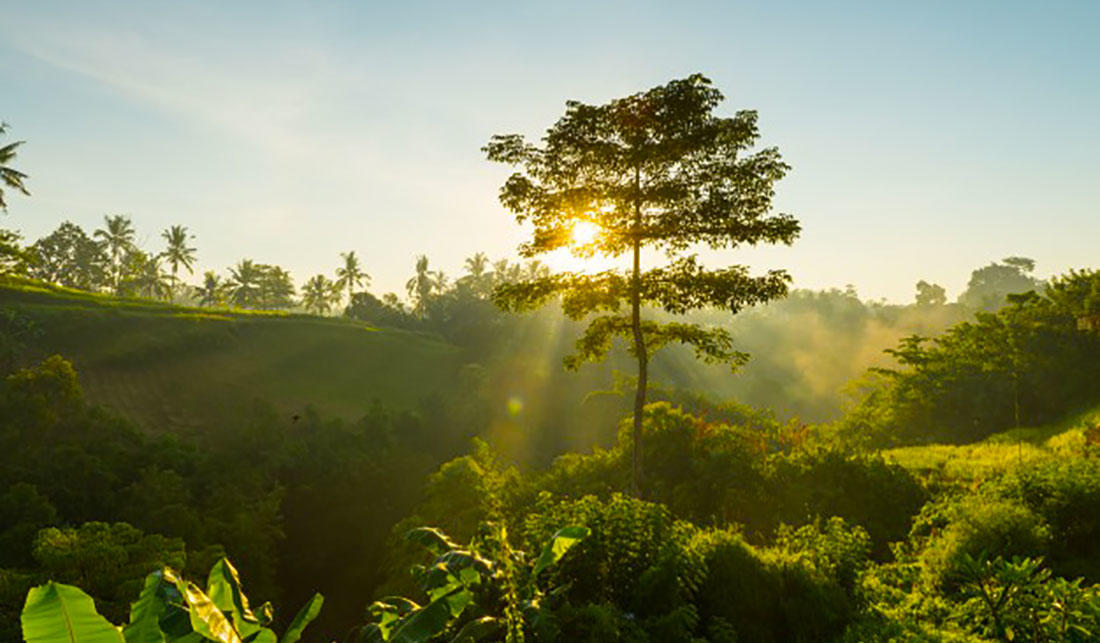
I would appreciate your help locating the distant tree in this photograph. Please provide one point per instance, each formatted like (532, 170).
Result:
(276, 287)
(393, 301)
(477, 279)
(505, 272)
(382, 312)
(990, 286)
(930, 294)
(423, 284)
(477, 265)
(143, 276)
(351, 274)
(319, 293)
(653, 170)
(212, 292)
(117, 236)
(14, 258)
(178, 253)
(9, 176)
(244, 283)
(69, 257)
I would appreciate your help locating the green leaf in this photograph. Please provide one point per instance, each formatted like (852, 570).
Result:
(145, 613)
(478, 630)
(56, 613)
(206, 619)
(303, 618)
(424, 623)
(223, 586)
(431, 539)
(561, 542)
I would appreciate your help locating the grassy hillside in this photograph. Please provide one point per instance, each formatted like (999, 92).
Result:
(969, 464)
(178, 368)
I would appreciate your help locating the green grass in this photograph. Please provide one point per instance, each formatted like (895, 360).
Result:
(972, 463)
(184, 368)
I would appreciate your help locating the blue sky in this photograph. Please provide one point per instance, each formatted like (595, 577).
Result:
(926, 138)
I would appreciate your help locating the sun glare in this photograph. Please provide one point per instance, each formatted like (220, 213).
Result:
(582, 234)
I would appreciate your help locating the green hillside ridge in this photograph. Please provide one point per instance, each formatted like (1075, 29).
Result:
(171, 367)
(968, 464)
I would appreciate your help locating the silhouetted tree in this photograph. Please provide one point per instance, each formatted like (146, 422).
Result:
(244, 283)
(930, 294)
(178, 253)
(69, 257)
(276, 287)
(654, 170)
(143, 276)
(117, 236)
(213, 290)
(423, 284)
(351, 274)
(9, 176)
(989, 286)
(319, 294)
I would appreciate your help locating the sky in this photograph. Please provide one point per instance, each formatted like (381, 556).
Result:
(926, 138)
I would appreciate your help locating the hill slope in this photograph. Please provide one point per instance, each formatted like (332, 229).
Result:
(177, 368)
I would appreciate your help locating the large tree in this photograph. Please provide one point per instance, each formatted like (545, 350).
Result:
(657, 170)
(9, 176)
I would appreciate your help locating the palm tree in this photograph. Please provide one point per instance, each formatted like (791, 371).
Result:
(244, 283)
(118, 238)
(9, 176)
(350, 274)
(422, 284)
(178, 253)
(536, 269)
(476, 265)
(477, 279)
(212, 290)
(319, 293)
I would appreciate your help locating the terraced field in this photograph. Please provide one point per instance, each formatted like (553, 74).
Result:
(186, 369)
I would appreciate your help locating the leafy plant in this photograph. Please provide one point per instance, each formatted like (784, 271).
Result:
(486, 590)
(169, 609)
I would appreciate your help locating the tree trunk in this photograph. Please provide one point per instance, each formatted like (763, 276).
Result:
(639, 343)
(643, 368)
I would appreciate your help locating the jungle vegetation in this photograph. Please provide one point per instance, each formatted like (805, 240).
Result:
(427, 467)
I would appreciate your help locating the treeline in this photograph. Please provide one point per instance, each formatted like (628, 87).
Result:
(109, 260)
(1027, 364)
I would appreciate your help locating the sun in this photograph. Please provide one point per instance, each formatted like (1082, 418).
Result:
(583, 233)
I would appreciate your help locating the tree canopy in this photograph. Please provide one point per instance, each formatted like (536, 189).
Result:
(655, 170)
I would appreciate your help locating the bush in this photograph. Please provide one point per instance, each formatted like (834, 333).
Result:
(981, 526)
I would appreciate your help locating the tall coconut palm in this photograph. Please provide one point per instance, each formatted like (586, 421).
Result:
(244, 283)
(423, 284)
(350, 274)
(178, 253)
(118, 238)
(477, 265)
(9, 176)
(319, 294)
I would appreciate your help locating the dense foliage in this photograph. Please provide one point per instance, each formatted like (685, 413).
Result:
(1025, 365)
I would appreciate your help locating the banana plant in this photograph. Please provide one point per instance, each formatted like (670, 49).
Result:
(169, 610)
(484, 591)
